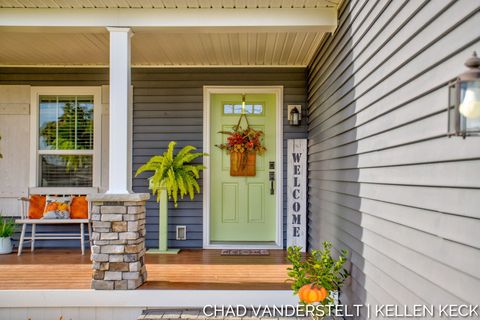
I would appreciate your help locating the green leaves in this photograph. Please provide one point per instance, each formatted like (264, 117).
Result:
(175, 173)
(317, 267)
(7, 227)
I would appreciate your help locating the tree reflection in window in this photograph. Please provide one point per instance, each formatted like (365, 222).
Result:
(66, 124)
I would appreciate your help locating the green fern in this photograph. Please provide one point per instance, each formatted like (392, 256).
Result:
(7, 227)
(175, 173)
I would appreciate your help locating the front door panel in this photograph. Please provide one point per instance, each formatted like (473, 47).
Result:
(242, 209)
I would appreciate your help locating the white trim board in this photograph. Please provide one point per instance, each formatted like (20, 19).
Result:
(205, 20)
(157, 66)
(55, 298)
(207, 92)
(96, 92)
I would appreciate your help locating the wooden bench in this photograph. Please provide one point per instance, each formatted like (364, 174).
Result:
(25, 221)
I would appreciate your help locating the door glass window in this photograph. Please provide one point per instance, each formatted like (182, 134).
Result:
(236, 108)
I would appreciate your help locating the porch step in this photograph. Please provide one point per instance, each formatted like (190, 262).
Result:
(185, 314)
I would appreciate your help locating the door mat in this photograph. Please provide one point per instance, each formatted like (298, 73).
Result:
(245, 252)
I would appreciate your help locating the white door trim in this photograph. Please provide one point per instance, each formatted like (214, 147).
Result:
(278, 91)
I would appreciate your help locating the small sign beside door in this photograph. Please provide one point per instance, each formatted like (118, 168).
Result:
(297, 193)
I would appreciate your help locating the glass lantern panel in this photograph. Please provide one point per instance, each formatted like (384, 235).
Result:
(470, 106)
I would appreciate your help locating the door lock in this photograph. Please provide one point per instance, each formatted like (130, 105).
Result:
(271, 177)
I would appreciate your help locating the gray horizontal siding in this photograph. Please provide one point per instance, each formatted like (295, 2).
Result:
(385, 181)
(168, 105)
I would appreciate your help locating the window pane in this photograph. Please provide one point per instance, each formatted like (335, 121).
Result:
(48, 118)
(66, 171)
(237, 109)
(227, 109)
(66, 123)
(258, 109)
(84, 128)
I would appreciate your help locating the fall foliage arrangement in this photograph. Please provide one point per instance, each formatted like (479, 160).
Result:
(243, 145)
(243, 141)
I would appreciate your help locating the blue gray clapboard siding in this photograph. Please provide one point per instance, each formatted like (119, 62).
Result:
(168, 105)
(385, 181)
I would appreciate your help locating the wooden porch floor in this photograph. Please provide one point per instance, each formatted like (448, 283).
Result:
(190, 269)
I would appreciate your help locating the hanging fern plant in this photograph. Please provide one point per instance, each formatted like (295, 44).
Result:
(175, 173)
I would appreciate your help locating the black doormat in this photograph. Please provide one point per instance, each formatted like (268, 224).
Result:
(245, 252)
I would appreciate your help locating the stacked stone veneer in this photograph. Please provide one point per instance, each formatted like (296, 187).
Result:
(118, 248)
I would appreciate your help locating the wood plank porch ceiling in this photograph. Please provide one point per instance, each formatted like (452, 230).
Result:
(168, 4)
(161, 49)
(287, 41)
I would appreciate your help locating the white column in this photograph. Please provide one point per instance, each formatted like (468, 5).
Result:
(120, 135)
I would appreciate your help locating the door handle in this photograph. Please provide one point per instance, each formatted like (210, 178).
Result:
(271, 177)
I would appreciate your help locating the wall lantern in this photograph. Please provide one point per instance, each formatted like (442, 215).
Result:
(464, 101)
(294, 115)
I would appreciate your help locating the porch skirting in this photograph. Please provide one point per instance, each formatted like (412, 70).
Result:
(118, 237)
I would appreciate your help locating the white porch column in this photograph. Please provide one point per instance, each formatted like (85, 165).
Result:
(120, 157)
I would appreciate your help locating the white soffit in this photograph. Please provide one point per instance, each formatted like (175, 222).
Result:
(161, 48)
(168, 4)
(228, 33)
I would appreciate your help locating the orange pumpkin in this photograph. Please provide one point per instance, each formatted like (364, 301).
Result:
(312, 293)
(51, 206)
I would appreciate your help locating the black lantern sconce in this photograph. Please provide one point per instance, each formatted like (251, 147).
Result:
(294, 115)
(464, 101)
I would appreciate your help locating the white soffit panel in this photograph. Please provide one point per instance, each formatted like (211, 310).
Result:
(175, 33)
(168, 4)
(161, 48)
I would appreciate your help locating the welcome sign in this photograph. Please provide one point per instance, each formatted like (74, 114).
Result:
(297, 193)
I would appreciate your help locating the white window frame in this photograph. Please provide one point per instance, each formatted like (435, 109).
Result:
(35, 93)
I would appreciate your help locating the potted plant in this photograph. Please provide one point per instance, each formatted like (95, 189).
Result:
(173, 175)
(7, 229)
(317, 277)
(243, 146)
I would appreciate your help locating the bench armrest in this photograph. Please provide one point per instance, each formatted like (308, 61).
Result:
(23, 207)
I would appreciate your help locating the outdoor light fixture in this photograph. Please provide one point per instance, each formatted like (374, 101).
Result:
(464, 101)
(294, 115)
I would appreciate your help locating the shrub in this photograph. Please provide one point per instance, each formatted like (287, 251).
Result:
(318, 269)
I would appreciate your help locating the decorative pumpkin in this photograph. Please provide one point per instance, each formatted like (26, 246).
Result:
(52, 206)
(312, 293)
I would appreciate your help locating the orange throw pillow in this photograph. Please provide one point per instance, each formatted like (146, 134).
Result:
(79, 208)
(36, 207)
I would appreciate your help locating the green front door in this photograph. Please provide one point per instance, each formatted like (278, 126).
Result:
(242, 209)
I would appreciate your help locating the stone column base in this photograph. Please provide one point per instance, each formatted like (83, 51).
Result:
(118, 238)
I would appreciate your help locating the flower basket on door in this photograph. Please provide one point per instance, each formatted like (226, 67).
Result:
(243, 145)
